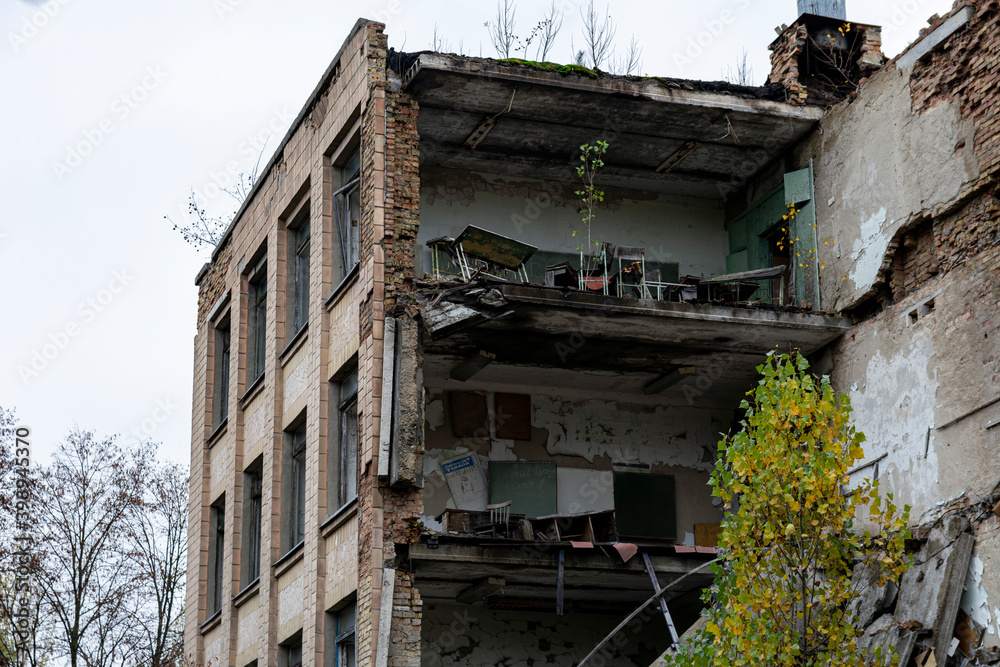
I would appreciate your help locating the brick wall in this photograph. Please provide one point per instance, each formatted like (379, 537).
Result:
(813, 73)
(966, 68)
(390, 218)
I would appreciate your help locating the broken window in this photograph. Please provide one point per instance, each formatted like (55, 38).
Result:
(297, 293)
(252, 497)
(220, 400)
(347, 213)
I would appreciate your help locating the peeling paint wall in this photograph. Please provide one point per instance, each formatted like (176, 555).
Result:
(878, 164)
(584, 438)
(689, 232)
(894, 396)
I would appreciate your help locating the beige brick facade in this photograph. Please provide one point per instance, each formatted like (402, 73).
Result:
(294, 590)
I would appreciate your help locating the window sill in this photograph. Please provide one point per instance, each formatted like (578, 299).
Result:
(255, 387)
(212, 622)
(348, 280)
(338, 518)
(285, 563)
(248, 592)
(297, 341)
(217, 433)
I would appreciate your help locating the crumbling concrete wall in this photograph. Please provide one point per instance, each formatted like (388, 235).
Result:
(689, 232)
(907, 210)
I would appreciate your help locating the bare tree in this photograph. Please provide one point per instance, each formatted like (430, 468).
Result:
(501, 28)
(87, 498)
(631, 63)
(551, 25)
(160, 538)
(598, 35)
(203, 229)
(742, 75)
(22, 615)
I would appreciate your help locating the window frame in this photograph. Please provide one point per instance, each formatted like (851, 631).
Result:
(286, 652)
(347, 201)
(253, 502)
(216, 555)
(293, 482)
(257, 292)
(341, 637)
(298, 240)
(222, 365)
(342, 454)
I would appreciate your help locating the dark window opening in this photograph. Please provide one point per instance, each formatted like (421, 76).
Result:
(298, 279)
(220, 407)
(257, 324)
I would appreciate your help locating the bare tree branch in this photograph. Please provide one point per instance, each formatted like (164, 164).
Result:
(631, 63)
(743, 74)
(598, 35)
(206, 230)
(551, 25)
(501, 28)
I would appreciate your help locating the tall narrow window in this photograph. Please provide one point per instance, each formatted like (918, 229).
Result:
(220, 402)
(293, 488)
(298, 274)
(216, 554)
(345, 637)
(257, 323)
(339, 645)
(347, 208)
(290, 654)
(252, 497)
(342, 464)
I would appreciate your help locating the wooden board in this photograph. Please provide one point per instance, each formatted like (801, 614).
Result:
(645, 506)
(531, 486)
(707, 534)
(469, 414)
(513, 416)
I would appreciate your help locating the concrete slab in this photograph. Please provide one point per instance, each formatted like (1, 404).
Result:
(931, 590)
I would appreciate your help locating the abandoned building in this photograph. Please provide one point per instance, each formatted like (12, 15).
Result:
(439, 420)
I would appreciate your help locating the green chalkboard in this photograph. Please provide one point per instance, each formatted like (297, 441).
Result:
(530, 486)
(645, 506)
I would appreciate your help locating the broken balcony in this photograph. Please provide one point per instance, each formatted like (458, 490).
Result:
(499, 145)
(574, 399)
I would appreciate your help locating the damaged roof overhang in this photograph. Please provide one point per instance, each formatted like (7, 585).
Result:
(547, 337)
(530, 571)
(667, 136)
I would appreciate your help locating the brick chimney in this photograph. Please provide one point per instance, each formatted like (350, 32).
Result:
(822, 58)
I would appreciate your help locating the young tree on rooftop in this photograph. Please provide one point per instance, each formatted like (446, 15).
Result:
(789, 542)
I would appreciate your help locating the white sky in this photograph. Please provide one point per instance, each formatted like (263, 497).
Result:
(162, 95)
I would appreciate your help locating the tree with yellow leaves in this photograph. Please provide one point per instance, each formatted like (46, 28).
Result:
(789, 544)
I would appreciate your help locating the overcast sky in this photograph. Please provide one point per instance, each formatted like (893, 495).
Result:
(116, 109)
